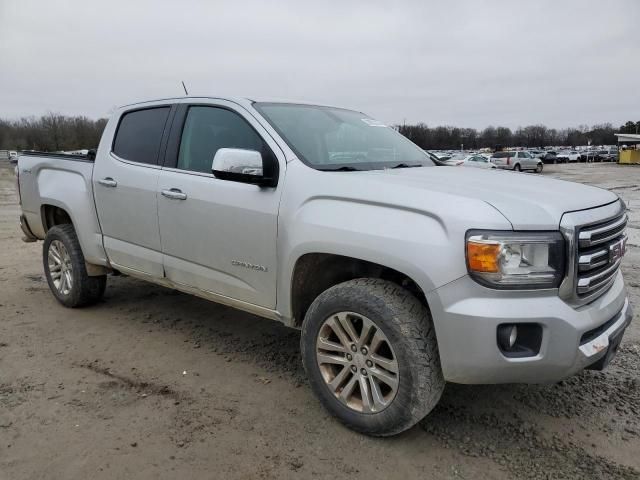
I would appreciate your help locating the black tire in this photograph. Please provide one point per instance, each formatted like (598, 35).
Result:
(85, 290)
(517, 167)
(407, 324)
(539, 168)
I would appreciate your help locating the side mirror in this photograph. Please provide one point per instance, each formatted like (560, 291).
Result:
(246, 166)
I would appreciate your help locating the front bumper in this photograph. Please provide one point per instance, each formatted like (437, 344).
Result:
(466, 316)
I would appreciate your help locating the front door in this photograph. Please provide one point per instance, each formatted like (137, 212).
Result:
(125, 178)
(218, 235)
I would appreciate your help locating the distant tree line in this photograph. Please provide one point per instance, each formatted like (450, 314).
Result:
(446, 137)
(51, 132)
(55, 132)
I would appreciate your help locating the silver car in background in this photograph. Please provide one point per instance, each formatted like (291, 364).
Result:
(518, 161)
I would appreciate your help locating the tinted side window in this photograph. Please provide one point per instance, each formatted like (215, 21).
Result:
(208, 129)
(501, 155)
(139, 135)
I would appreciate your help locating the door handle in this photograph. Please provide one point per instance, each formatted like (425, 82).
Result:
(108, 182)
(174, 194)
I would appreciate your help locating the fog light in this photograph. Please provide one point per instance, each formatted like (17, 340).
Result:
(513, 335)
(519, 340)
(507, 336)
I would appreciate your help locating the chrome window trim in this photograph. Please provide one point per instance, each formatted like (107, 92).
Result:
(189, 172)
(206, 175)
(136, 164)
(570, 224)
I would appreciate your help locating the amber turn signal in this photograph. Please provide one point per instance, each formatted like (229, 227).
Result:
(483, 257)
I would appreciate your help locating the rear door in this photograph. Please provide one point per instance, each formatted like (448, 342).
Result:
(218, 236)
(482, 161)
(125, 179)
(500, 158)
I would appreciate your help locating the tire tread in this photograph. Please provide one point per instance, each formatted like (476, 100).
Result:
(413, 320)
(86, 290)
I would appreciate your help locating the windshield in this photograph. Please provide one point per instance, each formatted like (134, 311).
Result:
(327, 138)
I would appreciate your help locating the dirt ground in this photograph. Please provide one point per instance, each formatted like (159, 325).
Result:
(152, 383)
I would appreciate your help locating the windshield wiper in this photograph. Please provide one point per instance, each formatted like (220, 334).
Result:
(344, 168)
(407, 165)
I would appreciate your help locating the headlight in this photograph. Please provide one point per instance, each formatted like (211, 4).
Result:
(516, 260)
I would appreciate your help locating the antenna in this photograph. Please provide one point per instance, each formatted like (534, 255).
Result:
(185, 89)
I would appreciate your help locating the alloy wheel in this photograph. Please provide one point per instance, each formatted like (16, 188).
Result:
(60, 267)
(357, 362)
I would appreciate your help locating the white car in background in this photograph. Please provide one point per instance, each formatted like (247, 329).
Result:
(475, 160)
(478, 161)
(568, 156)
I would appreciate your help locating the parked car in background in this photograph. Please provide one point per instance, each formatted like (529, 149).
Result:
(454, 160)
(537, 153)
(476, 161)
(440, 161)
(518, 161)
(441, 156)
(609, 154)
(549, 157)
(589, 155)
(9, 155)
(568, 156)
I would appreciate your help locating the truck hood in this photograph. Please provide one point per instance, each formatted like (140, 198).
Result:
(528, 201)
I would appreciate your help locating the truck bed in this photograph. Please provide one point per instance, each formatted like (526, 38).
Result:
(61, 181)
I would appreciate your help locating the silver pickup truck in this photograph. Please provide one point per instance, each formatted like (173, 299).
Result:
(400, 274)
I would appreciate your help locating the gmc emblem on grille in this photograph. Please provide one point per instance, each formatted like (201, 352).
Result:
(617, 250)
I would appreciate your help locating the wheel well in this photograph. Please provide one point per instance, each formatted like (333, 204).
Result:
(52, 216)
(316, 272)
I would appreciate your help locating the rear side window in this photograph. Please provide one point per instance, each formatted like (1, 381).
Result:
(501, 155)
(207, 130)
(139, 134)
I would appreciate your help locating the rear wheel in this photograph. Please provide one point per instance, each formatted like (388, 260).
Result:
(65, 269)
(517, 167)
(370, 351)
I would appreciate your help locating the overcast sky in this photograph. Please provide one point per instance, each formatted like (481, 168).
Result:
(465, 63)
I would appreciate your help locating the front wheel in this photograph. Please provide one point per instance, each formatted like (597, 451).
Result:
(65, 269)
(539, 168)
(370, 351)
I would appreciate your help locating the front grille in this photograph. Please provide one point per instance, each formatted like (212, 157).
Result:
(600, 248)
